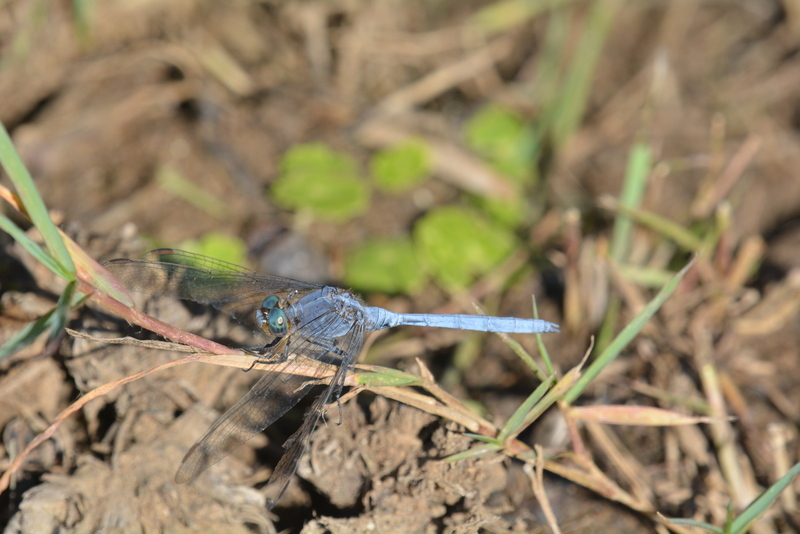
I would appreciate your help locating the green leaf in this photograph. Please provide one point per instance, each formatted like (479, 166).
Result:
(34, 249)
(474, 452)
(401, 167)
(218, 245)
(27, 334)
(54, 320)
(384, 266)
(509, 212)
(627, 334)
(459, 244)
(518, 420)
(501, 137)
(382, 376)
(759, 506)
(325, 182)
(35, 207)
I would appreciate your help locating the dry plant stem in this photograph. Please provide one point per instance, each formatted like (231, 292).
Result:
(536, 475)
(443, 79)
(448, 400)
(780, 435)
(721, 430)
(624, 461)
(592, 478)
(749, 254)
(595, 480)
(451, 163)
(470, 421)
(154, 325)
(581, 454)
(239, 360)
(721, 186)
(150, 344)
(573, 308)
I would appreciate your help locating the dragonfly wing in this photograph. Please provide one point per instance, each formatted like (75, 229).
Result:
(184, 275)
(270, 398)
(349, 345)
(273, 395)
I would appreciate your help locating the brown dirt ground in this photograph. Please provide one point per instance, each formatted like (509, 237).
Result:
(219, 90)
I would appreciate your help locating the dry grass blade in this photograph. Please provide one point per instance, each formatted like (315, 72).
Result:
(535, 473)
(634, 415)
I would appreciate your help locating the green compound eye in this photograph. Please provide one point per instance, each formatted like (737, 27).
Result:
(276, 321)
(270, 302)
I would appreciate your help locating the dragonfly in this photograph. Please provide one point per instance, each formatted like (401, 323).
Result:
(305, 322)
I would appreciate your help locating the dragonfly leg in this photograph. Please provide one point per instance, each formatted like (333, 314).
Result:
(289, 298)
(260, 355)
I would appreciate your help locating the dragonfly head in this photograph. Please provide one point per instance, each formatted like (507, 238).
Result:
(272, 317)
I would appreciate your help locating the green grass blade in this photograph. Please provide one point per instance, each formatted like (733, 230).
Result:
(578, 81)
(33, 203)
(756, 509)
(523, 355)
(636, 175)
(667, 228)
(474, 452)
(481, 437)
(499, 16)
(548, 363)
(34, 249)
(27, 335)
(174, 182)
(58, 320)
(383, 376)
(82, 15)
(627, 334)
(55, 320)
(645, 276)
(516, 422)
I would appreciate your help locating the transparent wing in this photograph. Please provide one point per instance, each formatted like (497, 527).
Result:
(239, 291)
(349, 347)
(184, 275)
(269, 399)
(274, 395)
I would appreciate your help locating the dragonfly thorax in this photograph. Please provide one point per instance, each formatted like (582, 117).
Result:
(327, 311)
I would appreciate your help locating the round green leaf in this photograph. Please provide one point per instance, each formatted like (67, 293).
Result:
(384, 266)
(326, 182)
(460, 244)
(509, 212)
(401, 167)
(505, 140)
